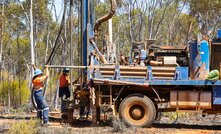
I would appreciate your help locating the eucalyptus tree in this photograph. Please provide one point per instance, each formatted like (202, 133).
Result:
(207, 14)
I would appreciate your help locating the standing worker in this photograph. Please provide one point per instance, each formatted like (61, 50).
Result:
(64, 91)
(143, 57)
(38, 82)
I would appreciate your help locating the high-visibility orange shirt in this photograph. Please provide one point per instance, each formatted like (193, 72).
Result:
(39, 82)
(64, 80)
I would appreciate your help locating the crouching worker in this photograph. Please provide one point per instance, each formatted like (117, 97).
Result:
(87, 100)
(64, 92)
(38, 82)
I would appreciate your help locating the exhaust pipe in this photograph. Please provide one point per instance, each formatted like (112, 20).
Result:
(106, 17)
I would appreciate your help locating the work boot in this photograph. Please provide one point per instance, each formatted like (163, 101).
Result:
(89, 117)
(64, 116)
(82, 117)
(46, 124)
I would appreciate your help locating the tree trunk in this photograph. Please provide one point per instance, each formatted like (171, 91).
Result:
(9, 97)
(19, 69)
(32, 49)
(31, 35)
(161, 20)
(47, 43)
(71, 48)
(1, 43)
(56, 96)
(65, 39)
(130, 21)
(31, 39)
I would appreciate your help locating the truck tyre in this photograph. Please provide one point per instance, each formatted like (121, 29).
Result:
(137, 110)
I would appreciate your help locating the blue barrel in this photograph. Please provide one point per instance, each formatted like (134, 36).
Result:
(199, 61)
(205, 58)
(205, 54)
(219, 33)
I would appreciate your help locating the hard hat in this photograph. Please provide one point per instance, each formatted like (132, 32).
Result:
(66, 70)
(37, 72)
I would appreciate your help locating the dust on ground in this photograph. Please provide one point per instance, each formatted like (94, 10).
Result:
(189, 124)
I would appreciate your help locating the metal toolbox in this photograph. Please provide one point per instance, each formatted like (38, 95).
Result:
(191, 99)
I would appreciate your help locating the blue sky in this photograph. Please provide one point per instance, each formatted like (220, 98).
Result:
(59, 8)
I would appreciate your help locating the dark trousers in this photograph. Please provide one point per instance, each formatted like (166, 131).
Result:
(85, 106)
(42, 107)
(64, 93)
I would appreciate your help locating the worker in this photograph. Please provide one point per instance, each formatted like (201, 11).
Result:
(64, 92)
(136, 60)
(87, 99)
(38, 84)
(143, 56)
(123, 60)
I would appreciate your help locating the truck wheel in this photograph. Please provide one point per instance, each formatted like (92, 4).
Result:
(137, 110)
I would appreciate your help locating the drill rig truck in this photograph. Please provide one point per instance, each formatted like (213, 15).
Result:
(170, 78)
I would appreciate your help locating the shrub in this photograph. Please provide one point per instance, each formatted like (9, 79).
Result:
(24, 127)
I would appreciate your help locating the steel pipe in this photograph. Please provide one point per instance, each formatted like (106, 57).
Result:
(80, 67)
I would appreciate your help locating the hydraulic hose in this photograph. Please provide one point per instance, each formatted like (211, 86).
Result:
(98, 24)
(105, 17)
(33, 99)
(98, 52)
(32, 94)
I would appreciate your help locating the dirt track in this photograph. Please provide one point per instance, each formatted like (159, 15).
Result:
(189, 125)
(155, 129)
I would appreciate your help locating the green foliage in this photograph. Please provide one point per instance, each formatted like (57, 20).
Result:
(207, 14)
(174, 116)
(34, 126)
(19, 91)
(25, 127)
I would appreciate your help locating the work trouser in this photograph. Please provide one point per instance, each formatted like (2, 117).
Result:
(142, 61)
(42, 107)
(85, 108)
(64, 93)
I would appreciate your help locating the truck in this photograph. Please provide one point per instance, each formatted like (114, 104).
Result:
(154, 79)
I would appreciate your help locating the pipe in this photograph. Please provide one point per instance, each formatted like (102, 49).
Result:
(81, 67)
(156, 63)
(105, 17)
(160, 63)
(118, 82)
(98, 52)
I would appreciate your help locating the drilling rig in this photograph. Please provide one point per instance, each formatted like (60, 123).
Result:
(136, 88)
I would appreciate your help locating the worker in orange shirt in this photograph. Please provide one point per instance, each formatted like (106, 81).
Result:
(38, 84)
(64, 92)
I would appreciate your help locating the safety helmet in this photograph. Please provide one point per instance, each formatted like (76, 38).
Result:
(37, 72)
(66, 70)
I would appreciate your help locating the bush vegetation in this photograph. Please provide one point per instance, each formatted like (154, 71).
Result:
(25, 127)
